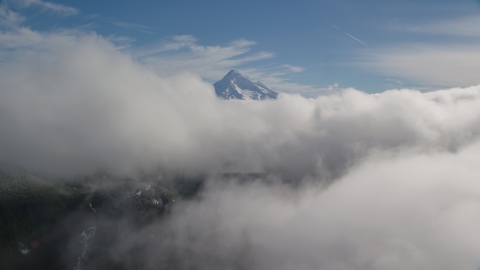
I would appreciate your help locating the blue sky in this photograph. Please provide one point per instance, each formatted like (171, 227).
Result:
(306, 47)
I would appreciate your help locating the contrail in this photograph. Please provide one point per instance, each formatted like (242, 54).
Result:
(348, 34)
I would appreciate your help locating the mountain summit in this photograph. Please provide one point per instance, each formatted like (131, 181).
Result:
(236, 86)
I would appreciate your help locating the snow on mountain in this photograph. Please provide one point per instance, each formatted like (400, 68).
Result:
(236, 86)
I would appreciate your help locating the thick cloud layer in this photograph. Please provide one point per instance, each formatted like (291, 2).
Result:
(414, 211)
(406, 195)
(72, 103)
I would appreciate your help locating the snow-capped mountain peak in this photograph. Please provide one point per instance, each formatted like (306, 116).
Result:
(236, 86)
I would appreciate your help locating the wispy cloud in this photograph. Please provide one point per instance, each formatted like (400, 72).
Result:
(453, 62)
(183, 53)
(277, 78)
(47, 6)
(178, 54)
(348, 34)
(9, 17)
(121, 42)
(294, 68)
(461, 27)
(448, 65)
(138, 27)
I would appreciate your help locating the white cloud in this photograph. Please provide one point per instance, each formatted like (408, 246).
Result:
(460, 27)
(413, 211)
(404, 163)
(452, 62)
(294, 68)
(9, 17)
(183, 53)
(277, 79)
(122, 42)
(80, 102)
(447, 65)
(47, 6)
